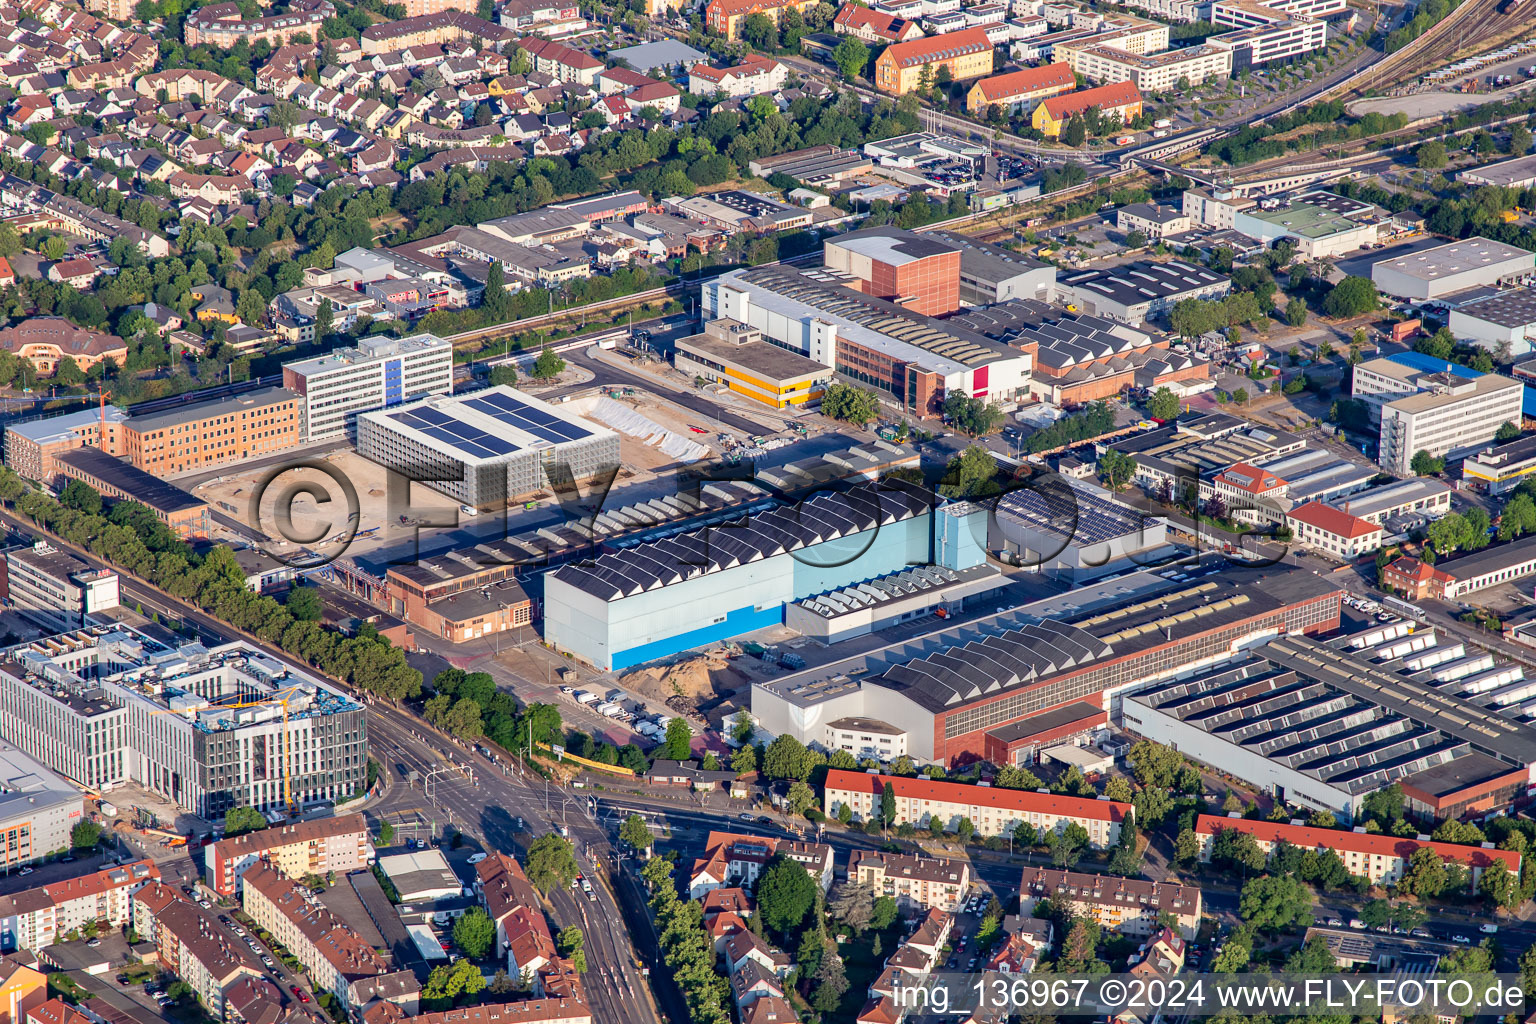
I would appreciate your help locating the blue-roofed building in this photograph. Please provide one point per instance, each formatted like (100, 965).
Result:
(1429, 364)
(1434, 407)
(486, 447)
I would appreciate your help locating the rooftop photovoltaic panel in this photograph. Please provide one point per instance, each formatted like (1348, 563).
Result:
(525, 417)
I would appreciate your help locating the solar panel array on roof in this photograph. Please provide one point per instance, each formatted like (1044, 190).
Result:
(827, 517)
(454, 433)
(523, 416)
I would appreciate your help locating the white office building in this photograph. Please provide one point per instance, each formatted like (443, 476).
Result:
(487, 447)
(55, 588)
(1475, 262)
(378, 374)
(1438, 412)
(205, 729)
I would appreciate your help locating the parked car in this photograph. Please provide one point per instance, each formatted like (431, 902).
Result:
(478, 857)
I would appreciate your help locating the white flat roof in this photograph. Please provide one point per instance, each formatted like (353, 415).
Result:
(485, 426)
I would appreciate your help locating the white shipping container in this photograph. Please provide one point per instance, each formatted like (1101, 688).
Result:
(606, 707)
(1162, 122)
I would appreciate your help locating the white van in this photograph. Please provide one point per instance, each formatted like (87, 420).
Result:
(469, 510)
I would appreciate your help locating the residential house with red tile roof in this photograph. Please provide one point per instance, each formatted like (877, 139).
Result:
(733, 859)
(993, 811)
(875, 27)
(1333, 531)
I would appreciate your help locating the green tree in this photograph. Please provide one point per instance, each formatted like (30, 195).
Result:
(1431, 155)
(54, 248)
(1116, 469)
(303, 603)
(972, 416)
(635, 832)
(887, 805)
(1425, 464)
(239, 820)
(1519, 140)
(1186, 848)
(846, 402)
(475, 933)
(744, 760)
(1075, 133)
(386, 835)
(551, 863)
(548, 365)
(801, 797)
(852, 57)
(970, 474)
(1296, 312)
(677, 745)
(504, 375)
(1506, 433)
(1011, 776)
(68, 372)
(1163, 405)
(788, 758)
(1351, 297)
(1425, 875)
(325, 319)
(572, 943)
(786, 894)
(884, 913)
(1499, 886)
(1274, 904)
(85, 835)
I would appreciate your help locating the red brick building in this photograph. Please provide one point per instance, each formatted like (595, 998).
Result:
(1415, 579)
(915, 271)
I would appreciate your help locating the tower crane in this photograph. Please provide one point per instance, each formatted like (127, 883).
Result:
(264, 702)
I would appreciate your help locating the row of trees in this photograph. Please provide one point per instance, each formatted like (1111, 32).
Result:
(686, 947)
(132, 538)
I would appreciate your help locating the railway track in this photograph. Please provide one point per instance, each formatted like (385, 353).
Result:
(1468, 25)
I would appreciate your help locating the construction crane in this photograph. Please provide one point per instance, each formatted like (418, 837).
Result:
(281, 702)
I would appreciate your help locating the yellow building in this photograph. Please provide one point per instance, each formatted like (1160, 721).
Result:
(1118, 99)
(967, 54)
(726, 16)
(22, 988)
(734, 354)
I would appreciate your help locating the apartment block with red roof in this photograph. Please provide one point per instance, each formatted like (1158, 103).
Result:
(875, 27)
(552, 1010)
(1018, 89)
(1332, 531)
(35, 918)
(338, 844)
(751, 76)
(338, 959)
(726, 16)
(1117, 99)
(1380, 858)
(993, 811)
(1130, 906)
(1416, 579)
(912, 880)
(965, 54)
(1242, 487)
